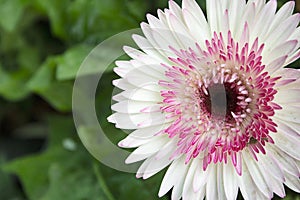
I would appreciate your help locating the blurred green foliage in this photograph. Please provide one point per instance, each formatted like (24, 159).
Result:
(42, 44)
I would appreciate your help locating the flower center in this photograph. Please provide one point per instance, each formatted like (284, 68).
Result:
(220, 99)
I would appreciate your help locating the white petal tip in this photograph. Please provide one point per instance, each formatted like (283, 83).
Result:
(127, 49)
(121, 144)
(128, 160)
(139, 175)
(144, 25)
(161, 194)
(118, 62)
(149, 16)
(111, 119)
(136, 36)
(115, 82)
(146, 176)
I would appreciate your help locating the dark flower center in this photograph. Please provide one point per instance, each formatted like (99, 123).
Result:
(221, 101)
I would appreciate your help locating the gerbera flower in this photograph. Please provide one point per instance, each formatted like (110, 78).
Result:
(209, 97)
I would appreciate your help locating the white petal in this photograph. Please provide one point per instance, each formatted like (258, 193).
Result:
(141, 136)
(257, 175)
(264, 20)
(151, 68)
(194, 8)
(277, 187)
(276, 64)
(261, 196)
(284, 12)
(248, 15)
(278, 36)
(296, 36)
(290, 79)
(134, 121)
(292, 127)
(196, 21)
(141, 62)
(289, 113)
(139, 55)
(188, 192)
(271, 182)
(175, 9)
(293, 182)
(148, 149)
(224, 25)
(201, 177)
(130, 106)
(160, 162)
(200, 194)
(161, 39)
(119, 97)
(271, 165)
(290, 73)
(140, 94)
(123, 84)
(288, 144)
(198, 29)
(149, 49)
(211, 185)
(156, 23)
(286, 128)
(230, 181)
(220, 181)
(213, 9)
(286, 162)
(293, 57)
(235, 11)
(140, 79)
(143, 166)
(287, 96)
(123, 68)
(246, 184)
(162, 17)
(177, 189)
(177, 167)
(180, 32)
(283, 49)
(133, 53)
(131, 142)
(148, 132)
(259, 4)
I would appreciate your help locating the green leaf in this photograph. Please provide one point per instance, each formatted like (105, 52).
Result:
(29, 58)
(7, 188)
(58, 94)
(69, 63)
(44, 76)
(11, 12)
(12, 85)
(127, 186)
(56, 11)
(73, 184)
(33, 170)
(60, 173)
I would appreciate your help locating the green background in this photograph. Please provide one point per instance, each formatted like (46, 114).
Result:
(42, 44)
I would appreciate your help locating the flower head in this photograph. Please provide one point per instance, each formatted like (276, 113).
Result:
(212, 100)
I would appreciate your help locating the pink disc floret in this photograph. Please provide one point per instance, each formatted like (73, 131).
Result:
(204, 128)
